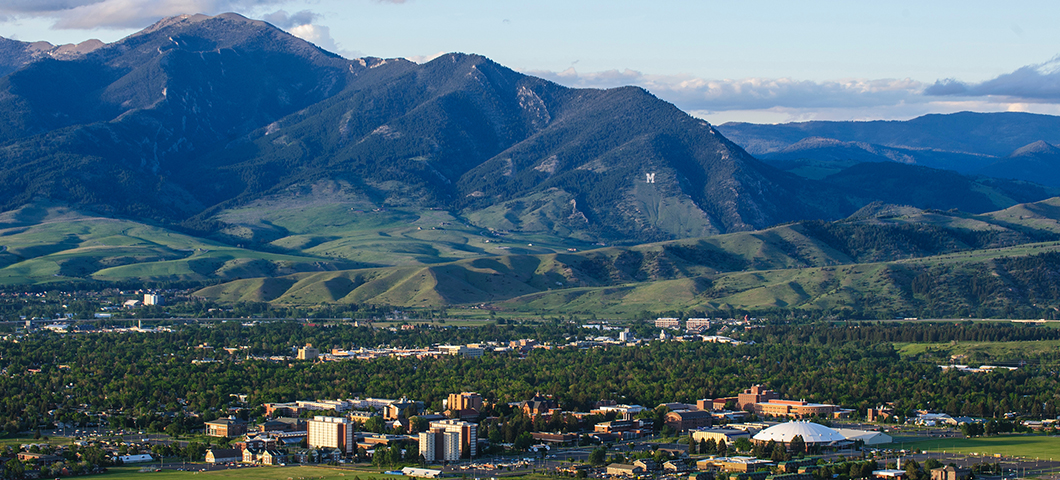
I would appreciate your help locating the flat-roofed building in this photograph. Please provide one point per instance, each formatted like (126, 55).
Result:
(308, 352)
(794, 409)
(332, 432)
(466, 439)
(734, 464)
(667, 322)
(226, 427)
(729, 435)
(683, 420)
(623, 412)
(697, 324)
(465, 350)
(756, 394)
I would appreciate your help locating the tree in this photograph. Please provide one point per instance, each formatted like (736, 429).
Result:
(375, 424)
(723, 448)
(779, 453)
(797, 445)
(523, 441)
(14, 469)
(597, 456)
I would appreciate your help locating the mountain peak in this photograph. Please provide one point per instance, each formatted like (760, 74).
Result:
(1037, 148)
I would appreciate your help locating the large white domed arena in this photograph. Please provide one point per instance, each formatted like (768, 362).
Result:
(812, 433)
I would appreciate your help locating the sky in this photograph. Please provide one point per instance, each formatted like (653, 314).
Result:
(759, 61)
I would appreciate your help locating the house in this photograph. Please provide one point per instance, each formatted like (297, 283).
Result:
(223, 455)
(271, 457)
(39, 458)
(647, 464)
(625, 470)
(676, 466)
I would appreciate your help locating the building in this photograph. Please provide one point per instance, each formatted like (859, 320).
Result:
(539, 405)
(722, 403)
(697, 324)
(878, 414)
(811, 433)
(401, 408)
(421, 472)
(623, 412)
(308, 352)
(795, 409)
(867, 437)
(624, 470)
(676, 466)
(683, 420)
(464, 400)
(728, 435)
(464, 405)
(332, 432)
(756, 394)
(439, 446)
(667, 322)
(138, 458)
(555, 438)
(734, 464)
(950, 473)
(293, 409)
(223, 455)
(152, 299)
(465, 350)
(226, 427)
(449, 440)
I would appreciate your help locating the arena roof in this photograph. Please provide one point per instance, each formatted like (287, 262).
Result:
(811, 433)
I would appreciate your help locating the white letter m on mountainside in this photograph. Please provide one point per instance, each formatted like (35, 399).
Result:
(649, 177)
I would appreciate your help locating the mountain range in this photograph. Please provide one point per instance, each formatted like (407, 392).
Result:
(1018, 146)
(222, 148)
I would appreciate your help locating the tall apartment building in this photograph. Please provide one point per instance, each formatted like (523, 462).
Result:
(449, 440)
(332, 432)
(152, 299)
(464, 401)
(308, 352)
(437, 446)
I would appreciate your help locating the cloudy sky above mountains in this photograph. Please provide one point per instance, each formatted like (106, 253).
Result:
(760, 61)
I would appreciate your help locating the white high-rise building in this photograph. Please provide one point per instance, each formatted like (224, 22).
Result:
(332, 432)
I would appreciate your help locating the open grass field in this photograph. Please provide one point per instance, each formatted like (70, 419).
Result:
(1026, 446)
(982, 349)
(15, 441)
(248, 473)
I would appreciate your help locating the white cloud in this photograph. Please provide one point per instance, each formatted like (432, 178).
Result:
(421, 59)
(1038, 83)
(776, 100)
(692, 93)
(301, 24)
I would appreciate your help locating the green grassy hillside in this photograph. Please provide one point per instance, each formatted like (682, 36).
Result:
(906, 262)
(45, 243)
